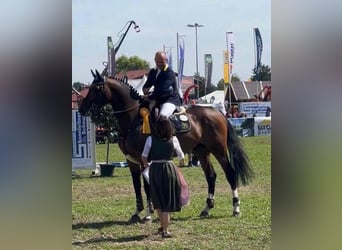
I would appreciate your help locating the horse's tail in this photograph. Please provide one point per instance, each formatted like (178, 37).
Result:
(238, 156)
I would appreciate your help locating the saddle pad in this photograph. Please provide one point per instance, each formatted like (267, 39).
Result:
(180, 122)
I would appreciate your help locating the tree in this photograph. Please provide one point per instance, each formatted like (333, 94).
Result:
(235, 78)
(104, 118)
(264, 74)
(124, 63)
(78, 86)
(220, 85)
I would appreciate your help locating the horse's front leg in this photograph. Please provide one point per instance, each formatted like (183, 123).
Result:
(136, 178)
(149, 208)
(210, 175)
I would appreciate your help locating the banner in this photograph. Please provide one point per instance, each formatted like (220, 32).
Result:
(254, 108)
(208, 68)
(83, 142)
(230, 49)
(181, 63)
(256, 126)
(258, 44)
(111, 57)
(225, 67)
(262, 126)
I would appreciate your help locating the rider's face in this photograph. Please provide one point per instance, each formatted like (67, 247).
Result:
(160, 60)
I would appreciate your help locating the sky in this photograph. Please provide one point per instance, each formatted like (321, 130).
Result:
(160, 21)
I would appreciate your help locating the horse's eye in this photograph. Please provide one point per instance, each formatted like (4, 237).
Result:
(98, 87)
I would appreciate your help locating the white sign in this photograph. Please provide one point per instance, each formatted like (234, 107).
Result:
(83, 142)
(254, 108)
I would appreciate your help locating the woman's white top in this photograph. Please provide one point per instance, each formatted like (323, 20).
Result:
(176, 146)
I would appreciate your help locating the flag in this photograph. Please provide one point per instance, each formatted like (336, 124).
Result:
(258, 43)
(169, 57)
(225, 67)
(111, 57)
(208, 64)
(230, 49)
(181, 63)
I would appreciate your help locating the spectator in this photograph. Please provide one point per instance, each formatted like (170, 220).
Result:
(164, 182)
(268, 111)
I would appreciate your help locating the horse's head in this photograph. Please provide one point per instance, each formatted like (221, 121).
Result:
(96, 95)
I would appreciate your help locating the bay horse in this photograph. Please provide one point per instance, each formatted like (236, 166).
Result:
(210, 133)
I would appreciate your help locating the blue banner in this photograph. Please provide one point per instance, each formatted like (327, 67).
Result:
(259, 47)
(181, 63)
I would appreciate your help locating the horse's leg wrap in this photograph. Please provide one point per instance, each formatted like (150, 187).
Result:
(236, 206)
(210, 203)
(149, 210)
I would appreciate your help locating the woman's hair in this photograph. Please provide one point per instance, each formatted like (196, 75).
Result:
(164, 128)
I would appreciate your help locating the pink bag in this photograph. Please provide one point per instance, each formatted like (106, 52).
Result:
(185, 196)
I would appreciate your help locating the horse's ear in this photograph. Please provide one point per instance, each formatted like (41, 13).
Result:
(92, 72)
(98, 74)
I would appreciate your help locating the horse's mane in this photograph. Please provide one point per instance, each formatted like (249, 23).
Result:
(132, 91)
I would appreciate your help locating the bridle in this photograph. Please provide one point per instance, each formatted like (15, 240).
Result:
(101, 85)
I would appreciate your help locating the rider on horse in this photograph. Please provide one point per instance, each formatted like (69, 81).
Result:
(165, 91)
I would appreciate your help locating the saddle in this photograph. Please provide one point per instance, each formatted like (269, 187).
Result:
(179, 119)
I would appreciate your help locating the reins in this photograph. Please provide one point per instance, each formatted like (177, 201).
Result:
(125, 110)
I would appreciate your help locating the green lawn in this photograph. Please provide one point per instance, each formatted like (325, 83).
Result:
(101, 207)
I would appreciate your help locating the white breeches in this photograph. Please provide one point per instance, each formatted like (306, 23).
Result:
(166, 109)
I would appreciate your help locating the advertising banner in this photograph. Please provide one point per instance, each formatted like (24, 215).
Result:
(83, 142)
(231, 51)
(244, 126)
(225, 67)
(262, 126)
(255, 126)
(254, 108)
(208, 68)
(111, 57)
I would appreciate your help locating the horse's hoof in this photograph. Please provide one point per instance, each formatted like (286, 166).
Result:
(134, 219)
(140, 207)
(204, 214)
(146, 220)
(236, 214)
(151, 208)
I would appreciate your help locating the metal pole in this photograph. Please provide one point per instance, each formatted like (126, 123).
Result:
(197, 61)
(197, 74)
(177, 54)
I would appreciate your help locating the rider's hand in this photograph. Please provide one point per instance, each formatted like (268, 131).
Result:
(146, 91)
(145, 97)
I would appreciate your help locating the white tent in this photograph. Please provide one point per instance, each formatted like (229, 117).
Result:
(138, 84)
(214, 97)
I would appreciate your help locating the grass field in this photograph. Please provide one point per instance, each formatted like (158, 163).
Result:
(101, 207)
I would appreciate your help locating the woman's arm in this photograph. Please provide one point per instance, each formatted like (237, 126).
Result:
(146, 151)
(178, 150)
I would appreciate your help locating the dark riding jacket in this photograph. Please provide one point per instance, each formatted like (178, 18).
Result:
(165, 86)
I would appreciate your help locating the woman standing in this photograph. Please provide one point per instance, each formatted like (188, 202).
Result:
(164, 181)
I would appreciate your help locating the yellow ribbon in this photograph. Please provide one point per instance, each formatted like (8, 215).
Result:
(145, 113)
